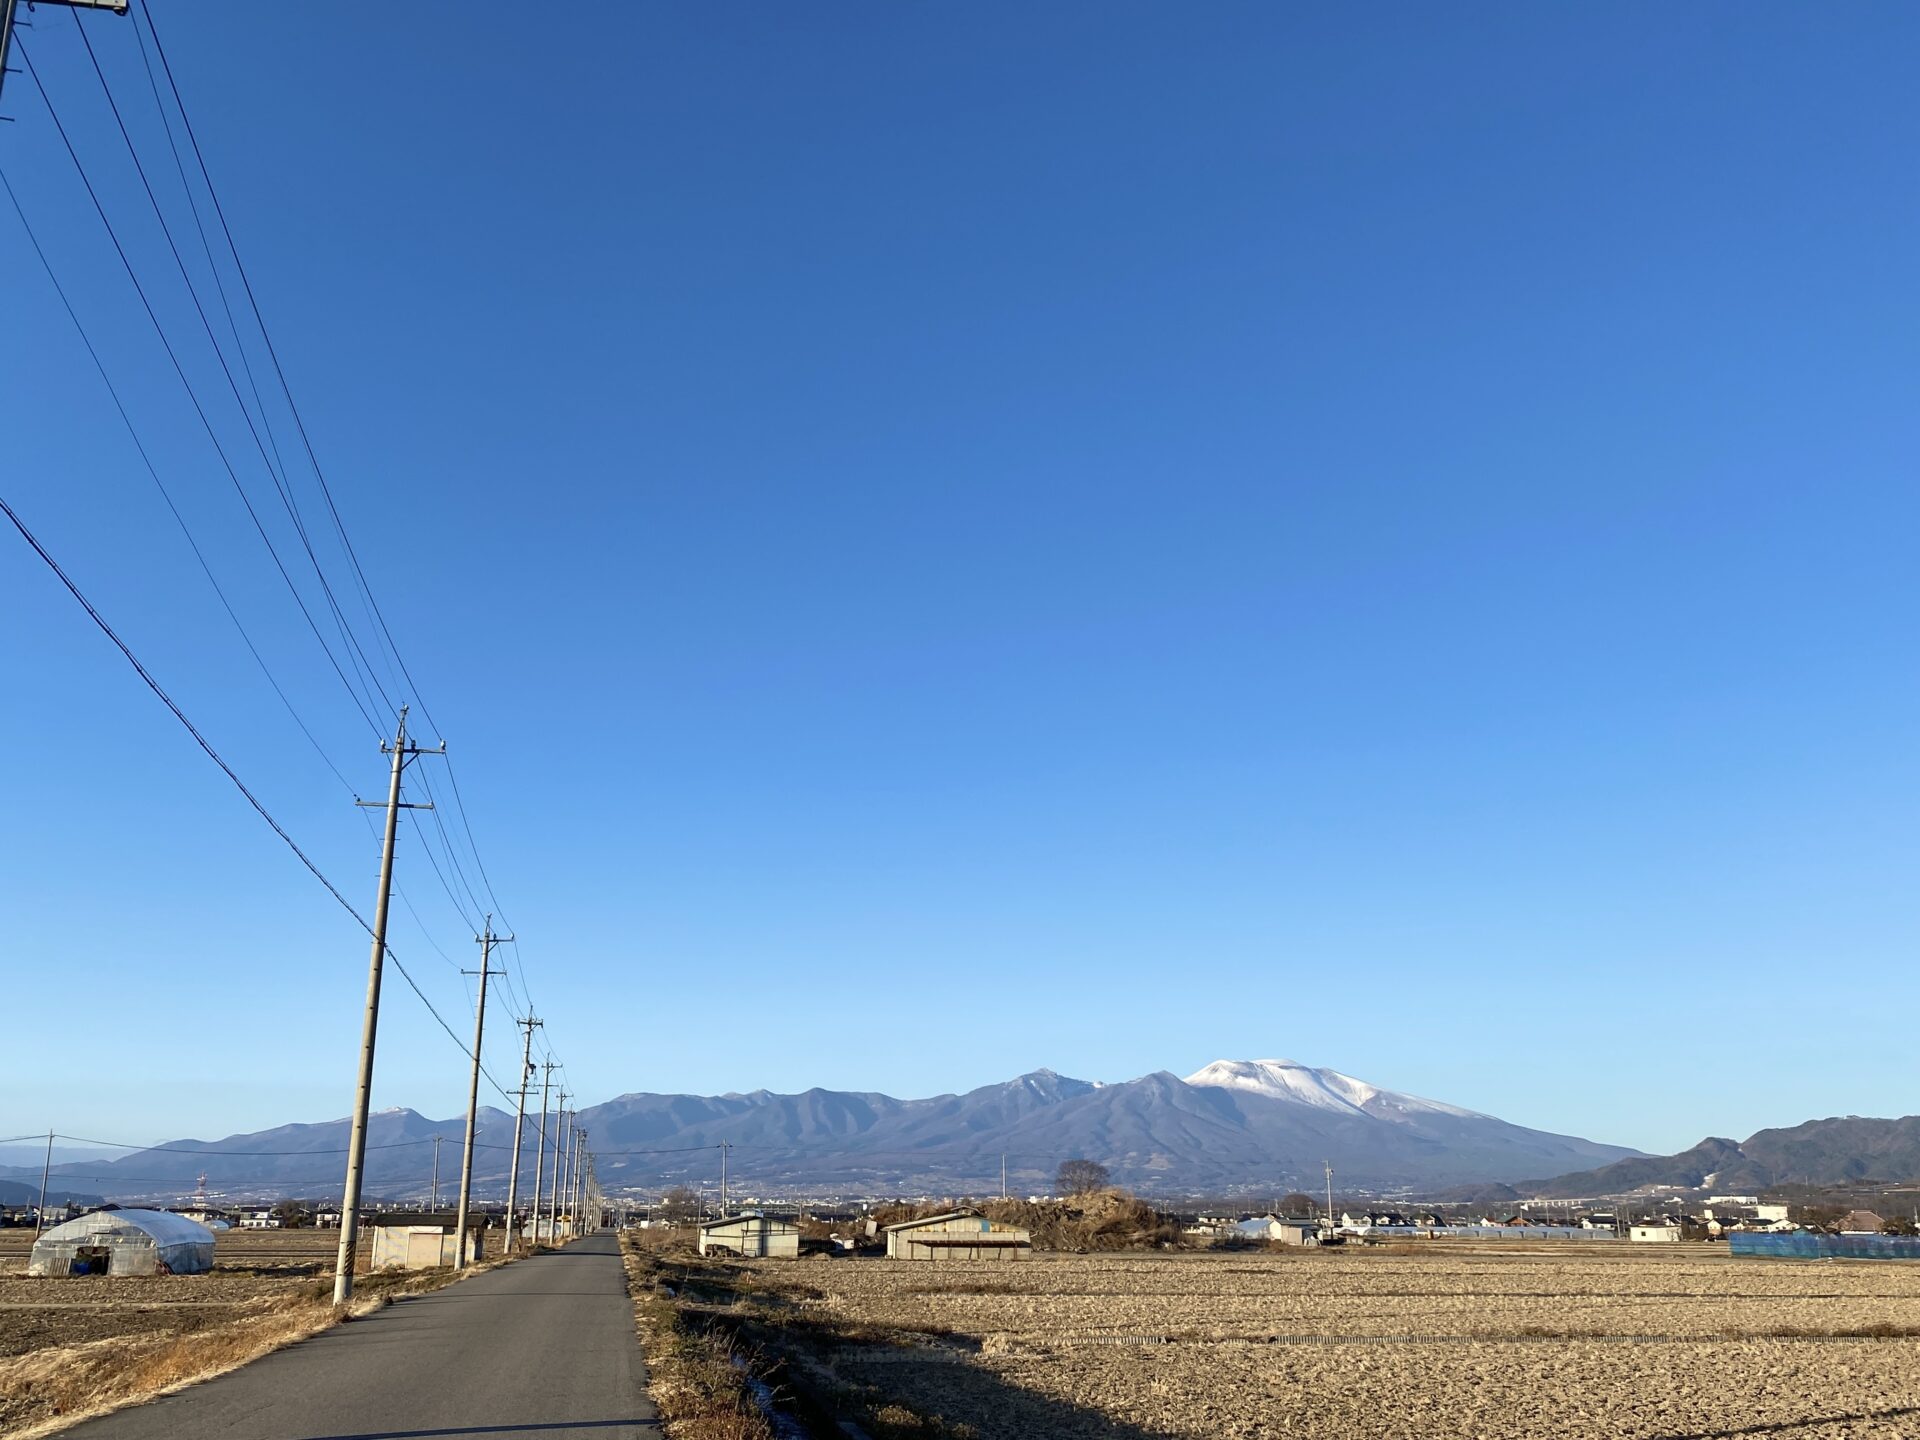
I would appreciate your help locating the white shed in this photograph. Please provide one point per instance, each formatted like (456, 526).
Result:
(751, 1235)
(1655, 1234)
(124, 1242)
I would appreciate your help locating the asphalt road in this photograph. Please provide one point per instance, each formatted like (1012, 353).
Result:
(543, 1349)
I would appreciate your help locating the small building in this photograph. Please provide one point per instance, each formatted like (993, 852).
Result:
(260, 1220)
(1654, 1234)
(420, 1239)
(1861, 1222)
(957, 1235)
(124, 1242)
(1279, 1230)
(752, 1235)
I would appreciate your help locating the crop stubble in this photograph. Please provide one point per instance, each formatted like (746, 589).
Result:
(1504, 1345)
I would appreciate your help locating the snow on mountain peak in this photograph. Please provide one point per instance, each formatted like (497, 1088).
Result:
(1323, 1089)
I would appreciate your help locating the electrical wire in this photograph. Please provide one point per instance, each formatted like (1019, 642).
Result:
(214, 755)
(362, 665)
(192, 395)
(146, 459)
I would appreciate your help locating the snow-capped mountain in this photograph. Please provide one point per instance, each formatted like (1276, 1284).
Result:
(1233, 1124)
(1327, 1089)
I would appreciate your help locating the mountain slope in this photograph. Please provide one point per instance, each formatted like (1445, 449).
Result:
(1253, 1124)
(1834, 1151)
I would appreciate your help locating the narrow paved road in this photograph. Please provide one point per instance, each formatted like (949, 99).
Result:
(543, 1349)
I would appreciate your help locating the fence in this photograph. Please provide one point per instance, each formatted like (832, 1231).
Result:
(1804, 1245)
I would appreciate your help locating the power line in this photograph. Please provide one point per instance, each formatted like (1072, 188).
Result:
(147, 460)
(192, 395)
(214, 755)
(363, 665)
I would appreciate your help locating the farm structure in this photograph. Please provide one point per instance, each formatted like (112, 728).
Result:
(124, 1242)
(1655, 1234)
(419, 1240)
(751, 1235)
(1286, 1232)
(957, 1235)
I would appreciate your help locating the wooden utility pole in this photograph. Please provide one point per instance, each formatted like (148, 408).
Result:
(519, 1120)
(540, 1151)
(401, 752)
(486, 942)
(725, 1146)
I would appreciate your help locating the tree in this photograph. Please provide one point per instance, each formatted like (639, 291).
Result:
(1080, 1177)
(1900, 1225)
(291, 1214)
(1297, 1203)
(679, 1205)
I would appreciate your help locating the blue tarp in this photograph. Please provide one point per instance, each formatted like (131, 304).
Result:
(1805, 1245)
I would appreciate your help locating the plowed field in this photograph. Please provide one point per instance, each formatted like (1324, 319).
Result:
(1625, 1343)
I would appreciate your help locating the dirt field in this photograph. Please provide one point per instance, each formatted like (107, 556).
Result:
(72, 1343)
(1627, 1344)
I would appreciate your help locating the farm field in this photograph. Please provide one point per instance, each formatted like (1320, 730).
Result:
(67, 1343)
(1624, 1343)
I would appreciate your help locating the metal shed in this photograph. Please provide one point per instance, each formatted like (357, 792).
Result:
(124, 1242)
(751, 1235)
(957, 1235)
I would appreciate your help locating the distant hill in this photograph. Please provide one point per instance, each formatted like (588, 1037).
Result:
(1235, 1123)
(1834, 1151)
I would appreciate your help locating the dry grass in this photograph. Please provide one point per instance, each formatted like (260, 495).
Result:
(1573, 1343)
(696, 1372)
(121, 1340)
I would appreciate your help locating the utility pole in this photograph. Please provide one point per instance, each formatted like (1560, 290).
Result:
(7, 7)
(486, 942)
(725, 1146)
(46, 1168)
(579, 1178)
(519, 1120)
(433, 1196)
(401, 752)
(1329, 1167)
(1003, 1174)
(553, 1198)
(540, 1152)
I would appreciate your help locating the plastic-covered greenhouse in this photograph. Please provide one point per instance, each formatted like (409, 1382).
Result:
(124, 1242)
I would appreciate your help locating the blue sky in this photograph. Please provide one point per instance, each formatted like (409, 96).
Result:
(1378, 536)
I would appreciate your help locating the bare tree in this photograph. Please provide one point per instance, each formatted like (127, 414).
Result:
(679, 1205)
(1079, 1177)
(1296, 1203)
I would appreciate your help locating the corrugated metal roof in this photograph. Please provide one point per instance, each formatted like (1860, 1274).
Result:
(936, 1219)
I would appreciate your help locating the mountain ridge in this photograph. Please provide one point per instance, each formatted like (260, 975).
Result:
(1231, 1125)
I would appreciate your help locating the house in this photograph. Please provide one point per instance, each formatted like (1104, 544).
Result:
(1599, 1222)
(957, 1235)
(420, 1239)
(260, 1220)
(1769, 1212)
(750, 1234)
(124, 1242)
(1658, 1233)
(1861, 1222)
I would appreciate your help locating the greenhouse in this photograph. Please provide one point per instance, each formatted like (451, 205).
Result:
(124, 1242)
